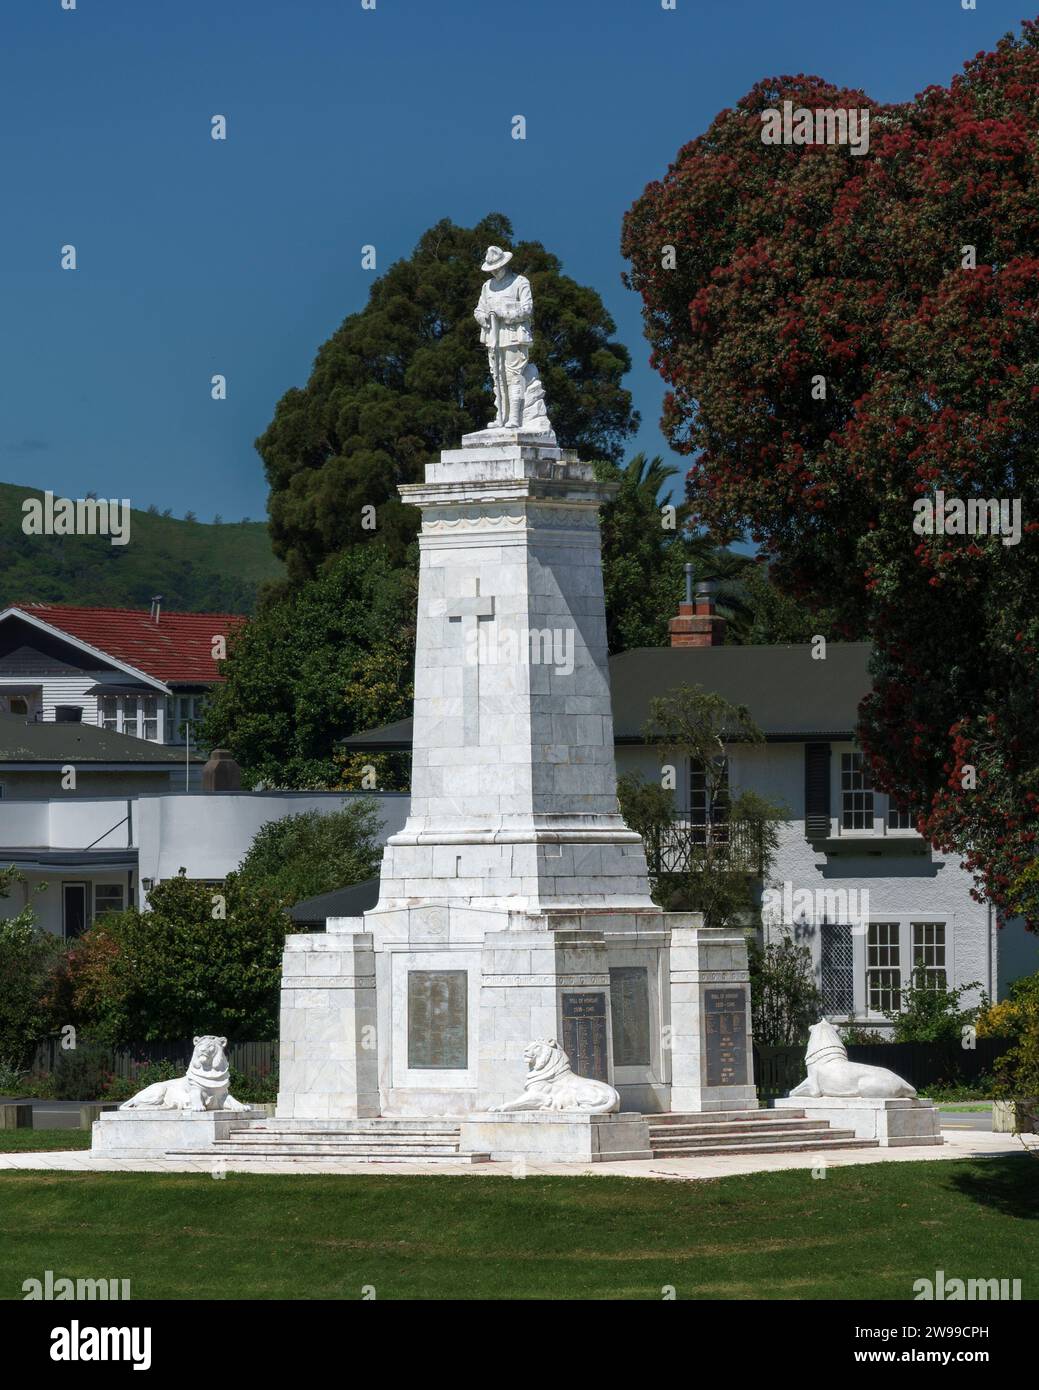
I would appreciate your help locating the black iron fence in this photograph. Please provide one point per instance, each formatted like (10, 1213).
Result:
(681, 848)
(777, 1070)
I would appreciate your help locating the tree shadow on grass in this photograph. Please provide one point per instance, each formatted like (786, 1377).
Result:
(1008, 1185)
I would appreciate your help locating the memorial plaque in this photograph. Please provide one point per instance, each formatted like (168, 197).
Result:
(584, 1034)
(438, 1020)
(725, 1018)
(629, 1007)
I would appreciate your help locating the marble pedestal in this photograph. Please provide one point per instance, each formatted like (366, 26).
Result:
(560, 1137)
(153, 1133)
(892, 1123)
(514, 903)
(328, 1054)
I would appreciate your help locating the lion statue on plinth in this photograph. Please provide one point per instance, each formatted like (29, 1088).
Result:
(551, 1085)
(830, 1074)
(205, 1085)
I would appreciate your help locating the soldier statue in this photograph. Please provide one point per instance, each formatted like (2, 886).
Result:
(504, 314)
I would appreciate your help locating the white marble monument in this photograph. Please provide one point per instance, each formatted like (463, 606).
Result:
(514, 903)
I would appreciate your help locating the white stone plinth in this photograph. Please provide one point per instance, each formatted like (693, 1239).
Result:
(153, 1133)
(891, 1123)
(705, 964)
(328, 1053)
(557, 1136)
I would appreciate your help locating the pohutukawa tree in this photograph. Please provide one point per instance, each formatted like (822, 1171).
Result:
(845, 336)
(407, 376)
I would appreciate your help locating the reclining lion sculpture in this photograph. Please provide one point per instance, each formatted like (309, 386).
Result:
(551, 1085)
(830, 1074)
(205, 1086)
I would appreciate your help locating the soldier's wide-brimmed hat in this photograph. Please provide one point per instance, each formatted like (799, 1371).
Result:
(496, 258)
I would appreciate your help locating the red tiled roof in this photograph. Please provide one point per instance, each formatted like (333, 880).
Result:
(176, 648)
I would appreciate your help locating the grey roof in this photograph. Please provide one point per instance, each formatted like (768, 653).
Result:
(790, 695)
(342, 902)
(47, 858)
(46, 741)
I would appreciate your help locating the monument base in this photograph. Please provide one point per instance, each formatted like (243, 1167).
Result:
(892, 1123)
(153, 1133)
(557, 1136)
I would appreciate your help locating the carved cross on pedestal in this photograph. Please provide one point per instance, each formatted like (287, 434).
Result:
(469, 611)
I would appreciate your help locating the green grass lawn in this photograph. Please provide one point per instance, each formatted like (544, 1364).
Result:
(860, 1232)
(42, 1140)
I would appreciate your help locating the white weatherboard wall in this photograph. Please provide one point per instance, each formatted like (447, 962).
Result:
(206, 834)
(902, 887)
(209, 834)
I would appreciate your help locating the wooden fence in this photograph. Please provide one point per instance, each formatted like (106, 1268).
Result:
(255, 1059)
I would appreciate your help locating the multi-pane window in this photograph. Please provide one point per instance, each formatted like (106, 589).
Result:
(136, 715)
(837, 967)
(709, 801)
(187, 710)
(883, 968)
(897, 819)
(108, 897)
(856, 793)
(929, 952)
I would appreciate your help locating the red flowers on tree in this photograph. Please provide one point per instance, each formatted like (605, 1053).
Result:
(906, 281)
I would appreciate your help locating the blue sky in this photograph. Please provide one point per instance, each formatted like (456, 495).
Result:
(345, 127)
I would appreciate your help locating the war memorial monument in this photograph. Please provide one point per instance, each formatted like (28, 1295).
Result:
(515, 977)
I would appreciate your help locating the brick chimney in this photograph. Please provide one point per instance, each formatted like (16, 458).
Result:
(697, 624)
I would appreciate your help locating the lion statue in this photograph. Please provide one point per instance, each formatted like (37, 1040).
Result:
(831, 1074)
(203, 1087)
(551, 1085)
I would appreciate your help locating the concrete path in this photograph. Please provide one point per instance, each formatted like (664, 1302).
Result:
(960, 1144)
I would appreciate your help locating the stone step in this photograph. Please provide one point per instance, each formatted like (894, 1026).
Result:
(665, 1134)
(334, 1150)
(735, 1136)
(333, 1136)
(348, 1143)
(833, 1140)
(708, 1117)
(373, 1123)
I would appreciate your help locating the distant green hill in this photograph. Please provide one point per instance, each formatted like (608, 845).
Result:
(196, 567)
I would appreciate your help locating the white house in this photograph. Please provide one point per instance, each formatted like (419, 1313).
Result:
(852, 879)
(143, 673)
(95, 854)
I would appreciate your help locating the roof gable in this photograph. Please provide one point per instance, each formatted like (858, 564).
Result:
(177, 648)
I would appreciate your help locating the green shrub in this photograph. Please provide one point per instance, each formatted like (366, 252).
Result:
(932, 1013)
(784, 998)
(83, 1073)
(301, 856)
(28, 960)
(854, 1036)
(142, 1074)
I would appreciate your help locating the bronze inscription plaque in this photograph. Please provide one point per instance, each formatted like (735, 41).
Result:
(629, 1007)
(584, 1034)
(725, 1017)
(438, 1020)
